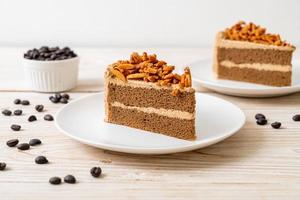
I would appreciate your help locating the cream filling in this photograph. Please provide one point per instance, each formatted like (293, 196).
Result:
(159, 111)
(258, 66)
(143, 84)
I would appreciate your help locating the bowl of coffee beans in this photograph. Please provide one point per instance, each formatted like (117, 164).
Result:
(51, 69)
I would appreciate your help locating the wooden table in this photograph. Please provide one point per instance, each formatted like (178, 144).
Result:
(256, 163)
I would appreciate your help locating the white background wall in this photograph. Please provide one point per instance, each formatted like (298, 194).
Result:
(138, 22)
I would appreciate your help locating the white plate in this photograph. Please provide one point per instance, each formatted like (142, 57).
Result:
(82, 120)
(203, 75)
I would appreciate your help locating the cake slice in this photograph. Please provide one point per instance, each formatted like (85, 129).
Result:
(144, 93)
(245, 52)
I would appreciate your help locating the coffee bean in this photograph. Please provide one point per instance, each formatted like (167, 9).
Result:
(17, 101)
(15, 127)
(261, 121)
(6, 112)
(18, 112)
(259, 115)
(55, 180)
(296, 118)
(12, 142)
(53, 56)
(66, 96)
(41, 160)
(34, 142)
(276, 125)
(39, 108)
(70, 179)
(48, 117)
(49, 53)
(96, 171)
(32, 118)
(2, 166)
(58, 96)
(54, 99)
(23, 146)
(63, 100)
(25, 102)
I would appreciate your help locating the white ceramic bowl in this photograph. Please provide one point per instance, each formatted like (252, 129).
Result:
(51, 76)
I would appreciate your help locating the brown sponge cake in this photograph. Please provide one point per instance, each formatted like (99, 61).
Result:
(245, 52)
(144, 93)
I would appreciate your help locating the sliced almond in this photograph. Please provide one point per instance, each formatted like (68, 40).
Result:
(177, 76)
(136, 75)
(168, 76)
(126, 66)
(168, 68)
(151, 70)
(175, 92)
(118, 74)
(160, 63)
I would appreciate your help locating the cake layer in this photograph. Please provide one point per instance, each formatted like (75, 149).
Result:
(265, 56)
(266, 77)
(150, 96)
(179, 128)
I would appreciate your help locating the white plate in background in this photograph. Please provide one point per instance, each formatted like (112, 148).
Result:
(83, 121)
(202, 74)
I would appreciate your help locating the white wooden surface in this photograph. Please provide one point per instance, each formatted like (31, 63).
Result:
(256, 163)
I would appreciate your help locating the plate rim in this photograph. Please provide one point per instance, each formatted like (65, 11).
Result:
(292, 89)
(193, 145)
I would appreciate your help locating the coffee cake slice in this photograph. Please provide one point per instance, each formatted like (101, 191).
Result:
(245, 52)
(144, 93)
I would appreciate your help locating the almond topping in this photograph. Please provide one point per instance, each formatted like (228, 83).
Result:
(136, 76)
(118, 74)
(147, 68)
(253, 33)
(126, 66)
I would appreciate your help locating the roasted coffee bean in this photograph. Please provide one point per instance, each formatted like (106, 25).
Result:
(261, 121)
(12, 142)
(96, 171)
(58, 96)
(296, 118)
(54, 99)
(55, 180)
(39, 108)
(18, 112)
(70, 179)
(34, 142)
(63, 100)
(259, 115)
(15, 127)
(25, 102)
(2, 166)
(66, 96)
(23, 146)
(41, 160)
(6, 112)
(17, 101)
(48, 117)
(32, 118)
(49, 53)
(276, 125)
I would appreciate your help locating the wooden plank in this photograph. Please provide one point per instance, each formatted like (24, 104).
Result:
(256, 163)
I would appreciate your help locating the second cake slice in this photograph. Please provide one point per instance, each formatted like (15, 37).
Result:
(245, 52)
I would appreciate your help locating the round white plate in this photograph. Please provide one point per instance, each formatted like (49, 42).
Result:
(203, 75)
(83, 120)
